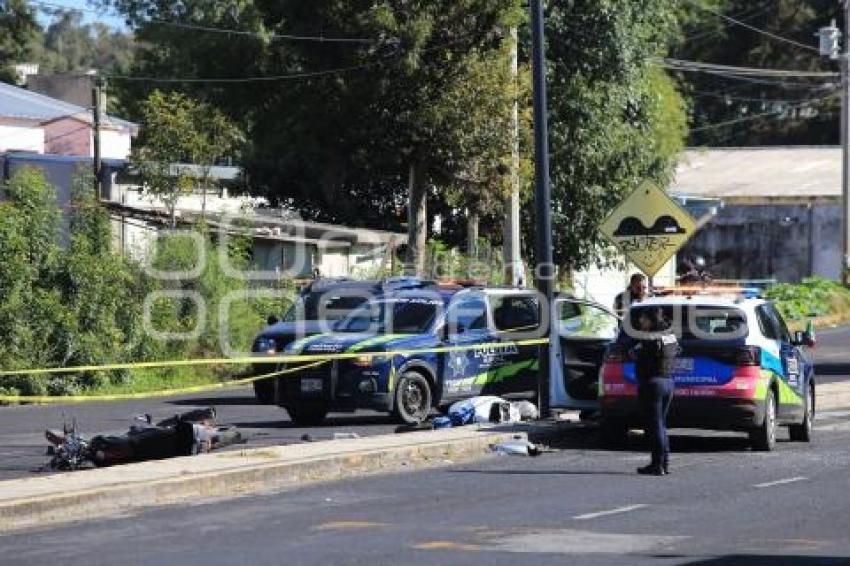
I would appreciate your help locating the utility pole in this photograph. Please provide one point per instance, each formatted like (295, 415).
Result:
(97, 105)
(542, 198)
(845, 145)
(832, 47)
(512, 260)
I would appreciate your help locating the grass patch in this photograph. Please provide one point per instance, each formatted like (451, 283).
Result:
(815, 297)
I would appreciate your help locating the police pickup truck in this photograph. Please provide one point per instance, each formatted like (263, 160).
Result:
(315, 310)
(410, 351)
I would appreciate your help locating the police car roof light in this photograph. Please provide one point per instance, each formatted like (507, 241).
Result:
(722, 291)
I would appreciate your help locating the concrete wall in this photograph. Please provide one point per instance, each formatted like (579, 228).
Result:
(75, 89)
(21, 137)
(334, 262)
(68, 137)
(785, 242)
(74, 137)
(284, 257)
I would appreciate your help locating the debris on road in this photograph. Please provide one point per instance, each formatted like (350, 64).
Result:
(184, 434)
(518, 448)
(345, 435)
(486, 409)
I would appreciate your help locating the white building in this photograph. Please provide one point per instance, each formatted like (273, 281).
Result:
(32, 122)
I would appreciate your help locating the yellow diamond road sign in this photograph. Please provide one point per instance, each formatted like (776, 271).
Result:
(649, 227)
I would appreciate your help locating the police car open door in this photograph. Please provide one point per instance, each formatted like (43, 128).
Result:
(581, 334)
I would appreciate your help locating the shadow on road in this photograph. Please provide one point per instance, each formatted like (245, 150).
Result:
(768, 560)
(541, 472)
(330, 422)
(832, 369)
(216, 401)
(588, 437)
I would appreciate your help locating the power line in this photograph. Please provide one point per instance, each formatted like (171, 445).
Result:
(698, 66)
(292, 76)
(259, 35)
(226, 31)
(745, 25)
(757, 116)
(230, 80)
(727, 96)
(743, 16)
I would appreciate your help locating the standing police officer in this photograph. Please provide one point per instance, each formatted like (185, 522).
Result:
(634, 293)
(655, 355)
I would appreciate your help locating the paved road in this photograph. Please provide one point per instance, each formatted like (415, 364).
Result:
(22, 442)
(582, 505)
(832, 355)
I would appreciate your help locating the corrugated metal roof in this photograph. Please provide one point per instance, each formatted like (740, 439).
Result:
(16, 102)
(763, 173)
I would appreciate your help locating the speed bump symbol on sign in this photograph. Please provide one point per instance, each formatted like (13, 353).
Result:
(649, 228)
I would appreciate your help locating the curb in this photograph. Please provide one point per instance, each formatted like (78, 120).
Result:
(97, 493)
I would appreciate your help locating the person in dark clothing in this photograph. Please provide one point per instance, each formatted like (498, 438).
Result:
(634, 293)
(655, 355)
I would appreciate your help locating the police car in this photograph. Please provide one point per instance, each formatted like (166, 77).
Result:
(739, 369)
(413, 350)
(318, 306)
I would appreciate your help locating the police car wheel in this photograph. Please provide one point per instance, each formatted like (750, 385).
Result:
(803, 432)
(763, 438)
(264, 391)
(412, 402)
(307, 416)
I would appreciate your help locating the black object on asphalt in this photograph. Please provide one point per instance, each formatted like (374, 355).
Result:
(183, 434)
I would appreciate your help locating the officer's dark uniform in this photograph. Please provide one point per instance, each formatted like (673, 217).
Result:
(654, 366)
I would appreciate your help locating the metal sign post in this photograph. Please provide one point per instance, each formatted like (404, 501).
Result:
(545, 273)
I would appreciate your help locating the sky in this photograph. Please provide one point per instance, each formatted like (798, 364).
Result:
(90, 13)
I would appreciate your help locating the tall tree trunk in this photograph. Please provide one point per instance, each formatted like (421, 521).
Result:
(472, 222)
(417, 220)
(512, 259)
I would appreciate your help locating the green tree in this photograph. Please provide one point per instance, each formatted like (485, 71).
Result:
(616, 120)
(18, 28)
(367, 138)
(67, 45)
(729, 111)
(415, 114)
(32, 320)
(179, 130)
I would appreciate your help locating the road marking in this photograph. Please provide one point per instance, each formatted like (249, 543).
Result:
(344, 525)
(780, 482)
(446, 545)
(616, 511)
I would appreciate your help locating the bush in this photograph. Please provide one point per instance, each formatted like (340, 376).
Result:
(84, 304)
(814, 297)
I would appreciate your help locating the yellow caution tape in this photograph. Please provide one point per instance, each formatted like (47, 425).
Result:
(308, 361)
(152, 394)
(267, 359)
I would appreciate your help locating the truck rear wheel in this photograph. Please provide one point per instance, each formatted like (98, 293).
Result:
(763, 438)
(803, 432)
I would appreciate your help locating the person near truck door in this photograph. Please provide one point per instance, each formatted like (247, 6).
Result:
(634, 293)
